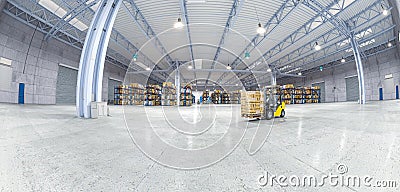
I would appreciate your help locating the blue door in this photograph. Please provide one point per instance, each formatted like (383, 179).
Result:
(397, 92)
(381, 93)
(21, 93)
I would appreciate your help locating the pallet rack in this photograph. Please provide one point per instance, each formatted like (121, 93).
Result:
(168, 94)
(234, 97)
(121, 95)
(216, 97)
(300, 95)
(225, 99)
(186, 97)
(152, 95)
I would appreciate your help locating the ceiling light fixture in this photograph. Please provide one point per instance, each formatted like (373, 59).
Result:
(178, 24)
(317, 47)
(390, 44)
(228, 67)
(384, 10)
(135, 56)
(269, 70)
(148, 69)
(190, 67)
(343, 60)
(261, 30)
(299, 73)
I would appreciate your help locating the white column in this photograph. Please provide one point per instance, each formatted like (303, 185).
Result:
(360, 71)
(91, 67)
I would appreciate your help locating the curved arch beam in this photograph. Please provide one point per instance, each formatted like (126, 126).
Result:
(91, 67)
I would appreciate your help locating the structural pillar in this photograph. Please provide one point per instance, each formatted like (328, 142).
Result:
(178, 84)
(91, 67)
(360, 71)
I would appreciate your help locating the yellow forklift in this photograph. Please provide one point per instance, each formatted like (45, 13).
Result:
(273, 105)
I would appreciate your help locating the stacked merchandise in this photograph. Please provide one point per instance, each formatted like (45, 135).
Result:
(121, 95)
(186, 96)
(216, 97)
(307, 95)
(205, 96)
(252, 104)
(287, 93)
(235, 97)
(301, 95)
(152, 95)
(168, 96)
(225, 98)
(298, 96)
(316, 92)
(136, 94)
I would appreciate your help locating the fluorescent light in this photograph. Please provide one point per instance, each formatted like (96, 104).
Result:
(5, 61)
(148, 69)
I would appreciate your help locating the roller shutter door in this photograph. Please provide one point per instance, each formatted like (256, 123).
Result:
(66, 85)
(111, 85)
(352, 92)
(322, 85)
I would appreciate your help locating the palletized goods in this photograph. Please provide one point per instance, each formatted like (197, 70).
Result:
(251, 104)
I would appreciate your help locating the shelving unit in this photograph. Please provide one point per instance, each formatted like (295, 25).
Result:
(225, 99)
(121, 95)
(216, 97)
(186, 98)
(136, 94)
(205, 97)
(168, 94)
(300, 95)
(234, 97)
(152, 95)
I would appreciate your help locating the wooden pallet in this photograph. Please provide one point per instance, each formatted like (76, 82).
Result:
(251, 116)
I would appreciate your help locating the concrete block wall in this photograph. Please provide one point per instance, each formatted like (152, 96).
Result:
(37, 65)
(375, 69)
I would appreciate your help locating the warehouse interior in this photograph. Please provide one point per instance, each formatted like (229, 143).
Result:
(199, 95)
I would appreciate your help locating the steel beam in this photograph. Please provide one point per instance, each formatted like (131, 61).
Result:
(91, 67)
(137, 16)
(187, 26)
(235, 10)
(279, 16)
(71, 14)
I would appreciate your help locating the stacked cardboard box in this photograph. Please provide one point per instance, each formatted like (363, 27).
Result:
(252, 104)
(205, 96)
(152, 95)
(186, 98)
(136, 94)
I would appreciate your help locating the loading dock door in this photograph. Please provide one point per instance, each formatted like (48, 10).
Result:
(111, 85)
(66, 85)
(352, 91)
(322, 85)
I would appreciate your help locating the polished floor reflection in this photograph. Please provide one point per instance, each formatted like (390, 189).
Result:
(46, 148)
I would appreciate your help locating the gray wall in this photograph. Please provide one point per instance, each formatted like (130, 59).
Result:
(42, 63)
(375, 69)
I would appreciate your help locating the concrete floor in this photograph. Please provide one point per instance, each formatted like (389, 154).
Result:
(46, 148)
